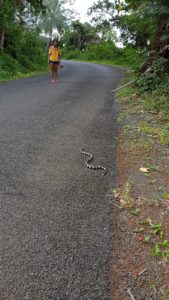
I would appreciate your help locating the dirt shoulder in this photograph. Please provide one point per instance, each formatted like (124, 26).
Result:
(140, 263)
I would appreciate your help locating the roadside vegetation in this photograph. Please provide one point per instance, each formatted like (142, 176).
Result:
(19, 59)
(26, 28)
(142, 195)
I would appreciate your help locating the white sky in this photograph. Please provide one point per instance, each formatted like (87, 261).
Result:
(81, 6)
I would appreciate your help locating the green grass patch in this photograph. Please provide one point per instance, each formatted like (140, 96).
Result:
(156, 103)
(159, 133)
(106, 52)
(11, 69)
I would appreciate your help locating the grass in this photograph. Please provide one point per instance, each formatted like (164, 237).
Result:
(11, 69)
(155, 103)
(107, 53)
(124, 195)
(160, 246)
(154, 234)
(24, 75)
(145, 125)
(139, 138)
(159, 133)
(136, 145)
(166, 294)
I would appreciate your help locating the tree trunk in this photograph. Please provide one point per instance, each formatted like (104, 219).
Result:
(156, 49)
(159, 43)
(2, 38)
(2, 32)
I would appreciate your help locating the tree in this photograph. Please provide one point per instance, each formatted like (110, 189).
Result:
(6, 18)
(144, 23)
(56, 18)
(12, 12)
(79, 35)
(157, 11)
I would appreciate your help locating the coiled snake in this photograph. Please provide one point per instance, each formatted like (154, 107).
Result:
(89, 160)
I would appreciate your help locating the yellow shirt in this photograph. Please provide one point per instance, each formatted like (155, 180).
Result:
(54, 53)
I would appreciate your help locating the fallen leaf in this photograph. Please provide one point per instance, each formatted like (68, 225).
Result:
(153, 181)
(144, 170)
(115, 193)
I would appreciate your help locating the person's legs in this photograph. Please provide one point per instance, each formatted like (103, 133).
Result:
(55, 72)
(52, 72)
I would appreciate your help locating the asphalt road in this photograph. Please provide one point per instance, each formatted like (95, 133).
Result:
(56, 230)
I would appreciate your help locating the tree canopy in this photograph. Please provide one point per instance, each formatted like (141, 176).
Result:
(57, 17)
(79, 35)
(13, 12)
(142, 23)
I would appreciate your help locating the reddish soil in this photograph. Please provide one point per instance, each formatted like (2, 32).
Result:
(135, 272)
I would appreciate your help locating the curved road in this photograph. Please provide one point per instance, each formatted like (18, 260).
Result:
(56, 230)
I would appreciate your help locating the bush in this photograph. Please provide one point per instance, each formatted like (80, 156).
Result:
(9, 67)
(101, 51)
(155, 77)
(26, 46)
(24, 51)
(32, 49)
(106, 51)
(130, 57)
(71, 54)
(158, 101)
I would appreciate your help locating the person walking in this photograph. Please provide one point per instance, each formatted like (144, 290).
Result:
(54, 56)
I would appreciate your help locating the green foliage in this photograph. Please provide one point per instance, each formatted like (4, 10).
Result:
(71, 54)
(143, 24)
(135, 212)
(106, 51)
(154, 77)
(26, 47)
(161, 250)
(166, 294)
(135, 33)
(101, 51)
(56, 16)
(6, 61)
(32, 55)
(22, 49)
(6, 14)
(158, 102)
(79, 36)
(9, 9)
(129, 56)
(37, 5)
(24, 52)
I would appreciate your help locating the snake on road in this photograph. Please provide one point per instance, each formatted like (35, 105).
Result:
(88, 162)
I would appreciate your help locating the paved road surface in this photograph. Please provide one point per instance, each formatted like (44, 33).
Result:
(56, 230)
